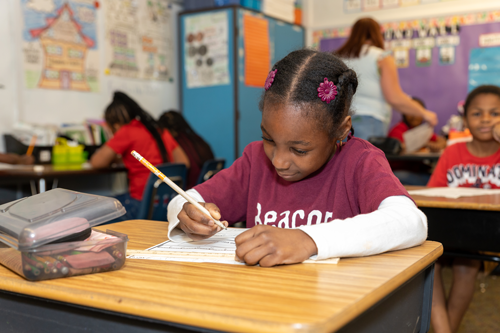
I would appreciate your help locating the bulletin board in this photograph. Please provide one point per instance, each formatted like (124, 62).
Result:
(440, 75)
(71, 55)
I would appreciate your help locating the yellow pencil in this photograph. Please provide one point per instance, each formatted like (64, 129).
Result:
(175, 187)
(31, 146)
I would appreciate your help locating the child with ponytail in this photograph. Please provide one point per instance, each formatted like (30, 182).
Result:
(303, 191)
(135, 129)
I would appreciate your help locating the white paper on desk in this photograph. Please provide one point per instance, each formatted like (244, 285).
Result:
(453, 192)
(6, 166)
(417, 137)
(208, 250)
(220, 243)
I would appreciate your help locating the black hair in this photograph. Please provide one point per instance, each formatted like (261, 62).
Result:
(485, 89)
(419, 101)
(194, 146)
(123, 109)
(296, 82)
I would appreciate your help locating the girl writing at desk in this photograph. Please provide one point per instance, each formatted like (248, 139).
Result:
(467, 164)
(302, 190)
(133, 128)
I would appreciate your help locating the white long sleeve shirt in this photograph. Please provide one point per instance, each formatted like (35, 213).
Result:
(396, 224)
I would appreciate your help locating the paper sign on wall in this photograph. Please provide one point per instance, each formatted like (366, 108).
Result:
(257, 51)
(206, 50)
(489, 40)
(402, 57)
(60, 45)
(423, 57)
(351, 6)
(447, 55)
(371, 4)
(139, 41)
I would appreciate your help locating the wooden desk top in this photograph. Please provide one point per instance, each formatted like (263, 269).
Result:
(51, 171)
(304, 297)
(480, 202)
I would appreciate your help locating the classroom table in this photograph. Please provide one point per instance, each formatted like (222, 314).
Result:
(464, 225)
(391, 292)
(41, 173)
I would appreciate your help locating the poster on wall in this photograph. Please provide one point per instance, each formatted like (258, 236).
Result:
(423, 57)
(352, 6)
(484, 67)
(139, 39)
(206, 51)
(60, 45)
(371, 5)
(390, 3)
(447, 55)
(402, 57)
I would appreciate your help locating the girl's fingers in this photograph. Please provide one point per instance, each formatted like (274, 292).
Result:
(194, 214)
(256, 252)
(252, 248)
(190, 226)
(244, 236)
(213, 209)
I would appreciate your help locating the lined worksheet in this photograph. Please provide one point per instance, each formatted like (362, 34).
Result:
(221, 242)
(219, 248)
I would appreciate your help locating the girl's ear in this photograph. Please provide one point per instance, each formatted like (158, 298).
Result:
(345, 128)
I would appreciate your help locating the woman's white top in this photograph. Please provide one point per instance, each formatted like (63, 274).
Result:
(369, 99)
(396, 224)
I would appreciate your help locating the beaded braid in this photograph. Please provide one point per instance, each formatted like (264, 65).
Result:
(123, 109)
(297, 79)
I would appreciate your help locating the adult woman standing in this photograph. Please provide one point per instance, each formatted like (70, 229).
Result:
(378, 88)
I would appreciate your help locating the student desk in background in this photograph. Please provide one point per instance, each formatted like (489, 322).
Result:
(41, 173)
(415, 157)
(464, 225)
(390, 292)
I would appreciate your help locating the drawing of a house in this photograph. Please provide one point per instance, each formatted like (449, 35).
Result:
(65, 48)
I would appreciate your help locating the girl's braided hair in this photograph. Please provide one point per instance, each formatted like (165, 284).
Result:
(296, 83)
(124, 109)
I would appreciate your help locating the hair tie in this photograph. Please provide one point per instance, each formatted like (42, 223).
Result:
(270, 79)
(327, 91)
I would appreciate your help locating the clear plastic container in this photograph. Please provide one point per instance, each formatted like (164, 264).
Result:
(49, 235)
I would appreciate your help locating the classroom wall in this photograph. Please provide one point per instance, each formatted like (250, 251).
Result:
(320, 14)
(440, 86)
(55, 106)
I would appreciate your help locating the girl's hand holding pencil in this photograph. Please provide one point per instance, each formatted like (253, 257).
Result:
(196, 224)
(202, 217)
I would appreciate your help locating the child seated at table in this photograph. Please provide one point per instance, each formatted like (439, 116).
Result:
(303, 190)
(196, 149)
(467, 164)
(435, 144)
(135, 129)
(414, 173)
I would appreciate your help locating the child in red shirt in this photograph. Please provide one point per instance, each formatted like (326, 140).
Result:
(135, 129)
(467, 164)
(301, 190)
(413, 173)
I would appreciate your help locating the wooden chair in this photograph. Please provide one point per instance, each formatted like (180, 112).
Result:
(157, 194)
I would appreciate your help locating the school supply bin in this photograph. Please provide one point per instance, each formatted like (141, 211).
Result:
(50, 235)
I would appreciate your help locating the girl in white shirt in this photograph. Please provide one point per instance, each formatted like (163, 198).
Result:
(378, 88)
